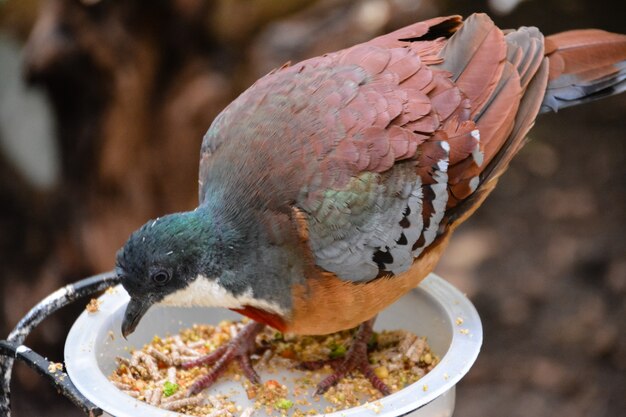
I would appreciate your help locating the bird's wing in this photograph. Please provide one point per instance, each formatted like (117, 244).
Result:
(296, 105)
(385, 145)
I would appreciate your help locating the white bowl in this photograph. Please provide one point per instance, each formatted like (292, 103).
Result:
(435, 309)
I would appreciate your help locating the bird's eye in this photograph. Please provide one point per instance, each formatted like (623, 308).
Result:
(161, 277)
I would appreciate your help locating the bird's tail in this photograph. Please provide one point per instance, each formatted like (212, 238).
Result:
(584, 65)
(549, 73)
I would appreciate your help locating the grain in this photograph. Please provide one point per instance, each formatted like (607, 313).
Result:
(154, 373)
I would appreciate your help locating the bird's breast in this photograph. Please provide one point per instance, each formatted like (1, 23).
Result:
(327, 304)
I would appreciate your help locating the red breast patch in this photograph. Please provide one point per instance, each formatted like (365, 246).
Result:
(262, 316)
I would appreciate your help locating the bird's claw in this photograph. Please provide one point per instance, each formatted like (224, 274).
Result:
(238, 349)
(356, 359)
(243, 345)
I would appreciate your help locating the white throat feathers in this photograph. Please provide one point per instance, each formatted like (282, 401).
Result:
(205, 292)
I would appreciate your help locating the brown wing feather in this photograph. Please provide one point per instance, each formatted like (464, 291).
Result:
(475, 56)
(487, 69)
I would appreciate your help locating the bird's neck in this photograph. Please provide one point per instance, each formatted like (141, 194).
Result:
(207, 240)
(218, 248)
(240, 265)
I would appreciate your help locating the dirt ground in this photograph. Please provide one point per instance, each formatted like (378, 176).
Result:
(544, 259)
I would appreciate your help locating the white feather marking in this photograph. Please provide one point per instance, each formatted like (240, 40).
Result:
(169, 253)
(474, 182)
(206, 292)
(477, 154)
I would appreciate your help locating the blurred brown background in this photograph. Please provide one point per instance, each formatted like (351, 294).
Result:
(103, 105)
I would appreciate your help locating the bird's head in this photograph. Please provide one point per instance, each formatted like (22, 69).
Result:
(163, 259)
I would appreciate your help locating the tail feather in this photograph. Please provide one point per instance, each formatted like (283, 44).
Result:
(584, 65)
(545, 73)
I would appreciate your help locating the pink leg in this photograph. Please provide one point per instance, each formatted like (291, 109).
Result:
(238, 349)
(355, 359)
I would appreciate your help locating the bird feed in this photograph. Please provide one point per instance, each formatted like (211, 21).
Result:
(154, 373)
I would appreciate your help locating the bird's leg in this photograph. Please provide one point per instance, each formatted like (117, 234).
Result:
(356, 358)
(238, 349)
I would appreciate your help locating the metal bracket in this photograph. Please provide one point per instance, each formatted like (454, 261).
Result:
(12, 348)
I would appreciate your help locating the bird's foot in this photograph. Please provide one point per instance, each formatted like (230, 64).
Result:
(238, 349)
(356, 359)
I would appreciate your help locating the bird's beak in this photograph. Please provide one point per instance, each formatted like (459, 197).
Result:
(134, 312)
